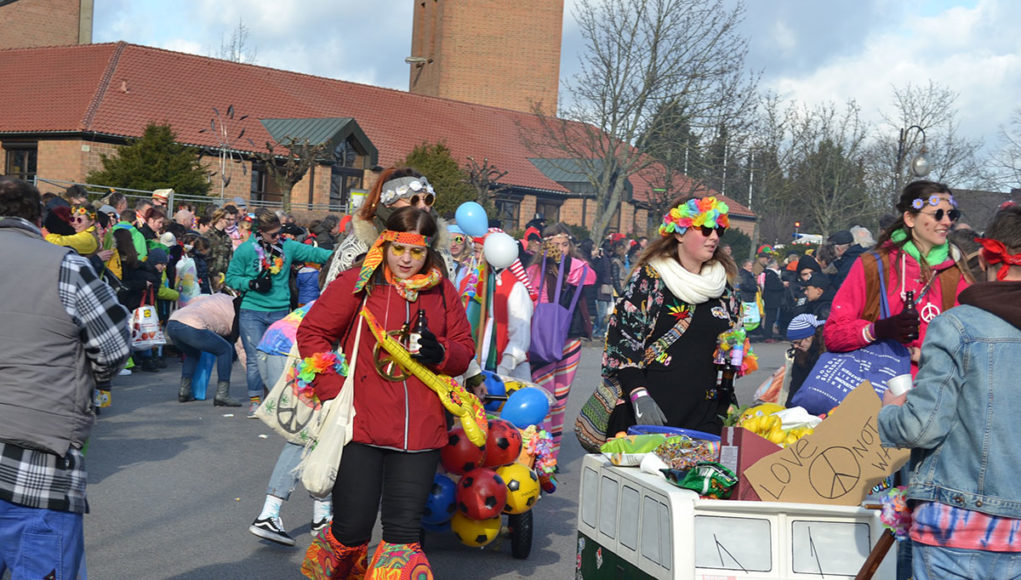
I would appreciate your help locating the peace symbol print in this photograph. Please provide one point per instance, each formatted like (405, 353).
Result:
(834, 473)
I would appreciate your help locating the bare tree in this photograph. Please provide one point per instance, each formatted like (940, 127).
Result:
(641, 56)
(288, 161)
(237, 48)
(485, 178)
(1006, 161)
(953, 159)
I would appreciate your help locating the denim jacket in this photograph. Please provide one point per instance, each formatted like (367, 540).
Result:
(960, 419)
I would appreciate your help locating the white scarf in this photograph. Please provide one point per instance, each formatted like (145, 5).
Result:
(691, 288)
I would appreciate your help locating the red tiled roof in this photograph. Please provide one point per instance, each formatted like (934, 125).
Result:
(117, 89)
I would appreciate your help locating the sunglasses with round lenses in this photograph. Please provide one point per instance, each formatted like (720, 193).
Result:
(953, 214)
(417, 252)
(708, 231)
(428, 198)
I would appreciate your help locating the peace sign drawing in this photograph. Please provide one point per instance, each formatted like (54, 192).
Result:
(834, 473)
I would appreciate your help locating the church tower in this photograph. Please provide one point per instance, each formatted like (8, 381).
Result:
(502, 53)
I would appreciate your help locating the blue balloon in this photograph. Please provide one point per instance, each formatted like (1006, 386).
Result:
(439, 506)
(527, 406)
(494, 386)
(471, 217)
(436, 528)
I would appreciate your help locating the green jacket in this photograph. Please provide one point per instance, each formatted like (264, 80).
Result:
(244, 267)
(136, 238)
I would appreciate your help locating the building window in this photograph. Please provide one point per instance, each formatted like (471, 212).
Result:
(258, 180)
(21, 160)
(345, 175)
(550, 210)
(508, 211)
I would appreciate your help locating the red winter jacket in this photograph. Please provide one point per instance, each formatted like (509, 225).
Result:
(403, 415)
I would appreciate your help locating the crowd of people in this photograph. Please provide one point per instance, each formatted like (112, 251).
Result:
(260, 288)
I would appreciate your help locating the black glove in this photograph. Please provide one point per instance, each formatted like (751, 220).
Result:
(261, 284)
(902, 327)
(647, 412)
(430, 351)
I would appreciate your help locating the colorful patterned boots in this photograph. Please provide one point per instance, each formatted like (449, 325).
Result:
(328, 559)
(399, 562)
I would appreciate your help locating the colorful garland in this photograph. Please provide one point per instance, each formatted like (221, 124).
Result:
(317, 364)
(274, 266)
(706, 211)
(896, 515)
(725, 344)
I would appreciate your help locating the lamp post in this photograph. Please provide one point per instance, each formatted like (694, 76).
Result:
(919, 164)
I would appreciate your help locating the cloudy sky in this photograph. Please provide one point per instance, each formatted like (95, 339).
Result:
(810, 50)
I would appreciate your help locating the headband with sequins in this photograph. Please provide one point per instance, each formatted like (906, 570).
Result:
(706, 211)
(403, 187)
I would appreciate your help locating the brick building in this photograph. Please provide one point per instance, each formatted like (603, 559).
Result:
(64, 106)
(469, 51)
(25, 23)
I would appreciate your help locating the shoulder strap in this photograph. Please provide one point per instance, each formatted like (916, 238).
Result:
(948, 282)
(577, 290)
(870, 264)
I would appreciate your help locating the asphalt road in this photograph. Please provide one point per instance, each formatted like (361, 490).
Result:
(173, 488)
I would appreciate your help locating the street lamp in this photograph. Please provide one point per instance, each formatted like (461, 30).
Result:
(919, 165)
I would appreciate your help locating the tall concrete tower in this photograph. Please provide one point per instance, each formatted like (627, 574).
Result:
(28, 23)
(503, 53)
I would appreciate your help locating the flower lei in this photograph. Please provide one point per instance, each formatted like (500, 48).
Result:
(319, 363)
(539, 444)
(706, 211)
(896, 515)
(274, 263)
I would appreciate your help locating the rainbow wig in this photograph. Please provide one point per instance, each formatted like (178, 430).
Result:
(706, 211)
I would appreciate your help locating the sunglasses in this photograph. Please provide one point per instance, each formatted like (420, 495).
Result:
(708, 231)
(417, 252)
(457, 239)
(953, 214)
(78, 219)
(271, 234)
(428, 199)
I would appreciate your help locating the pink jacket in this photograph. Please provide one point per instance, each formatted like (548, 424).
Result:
(208, 312)
(843, 330)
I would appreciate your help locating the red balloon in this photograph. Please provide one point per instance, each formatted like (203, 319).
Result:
(503, 443)
(481, 494)
(460, 455)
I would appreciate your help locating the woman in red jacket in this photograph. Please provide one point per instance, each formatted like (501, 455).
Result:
(400, 424)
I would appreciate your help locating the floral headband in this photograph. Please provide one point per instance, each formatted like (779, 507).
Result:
(374, 257)
(995, 252)
(933, 200)
(706, 211)
(83, 210)
(403, 187)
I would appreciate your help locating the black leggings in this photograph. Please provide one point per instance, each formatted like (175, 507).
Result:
(404, 481)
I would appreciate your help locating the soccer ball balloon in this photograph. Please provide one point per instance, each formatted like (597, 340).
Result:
(460, 455)
(522, 487)
(481, 494)
(439, 506)
(503, 443)
(475, 533)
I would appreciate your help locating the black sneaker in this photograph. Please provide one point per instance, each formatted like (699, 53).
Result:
(271, 529)
(320, 525)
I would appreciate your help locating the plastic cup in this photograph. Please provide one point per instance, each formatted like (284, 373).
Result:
(899, 384)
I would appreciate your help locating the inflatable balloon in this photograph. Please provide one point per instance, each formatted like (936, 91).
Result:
(525, 407)
(444, 527)
(500, 250)
(439, 506)
(475, 533)
(481, 494)
(460, 454)
(471, 217)
(495, 387)
(503, 443)
(522, 487)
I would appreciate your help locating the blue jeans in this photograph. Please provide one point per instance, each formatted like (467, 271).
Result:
(284, 478)
(602, 311)
(253, 324)
(35, 542)
(193, 342)
(937, 563)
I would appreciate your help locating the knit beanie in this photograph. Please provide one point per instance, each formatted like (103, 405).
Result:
(158, 256)
(802, 326)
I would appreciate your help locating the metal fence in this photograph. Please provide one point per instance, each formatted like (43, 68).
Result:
(98, 191)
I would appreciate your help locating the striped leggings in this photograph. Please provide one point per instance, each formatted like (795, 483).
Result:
(556, 378)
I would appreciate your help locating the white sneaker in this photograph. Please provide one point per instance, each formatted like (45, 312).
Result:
(125, 372)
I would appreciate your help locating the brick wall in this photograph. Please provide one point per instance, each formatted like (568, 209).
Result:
(492, 52)
(28, 23)
(61, 160)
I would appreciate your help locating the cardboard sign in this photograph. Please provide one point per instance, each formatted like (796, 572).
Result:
(837, 464)
(740, 450)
